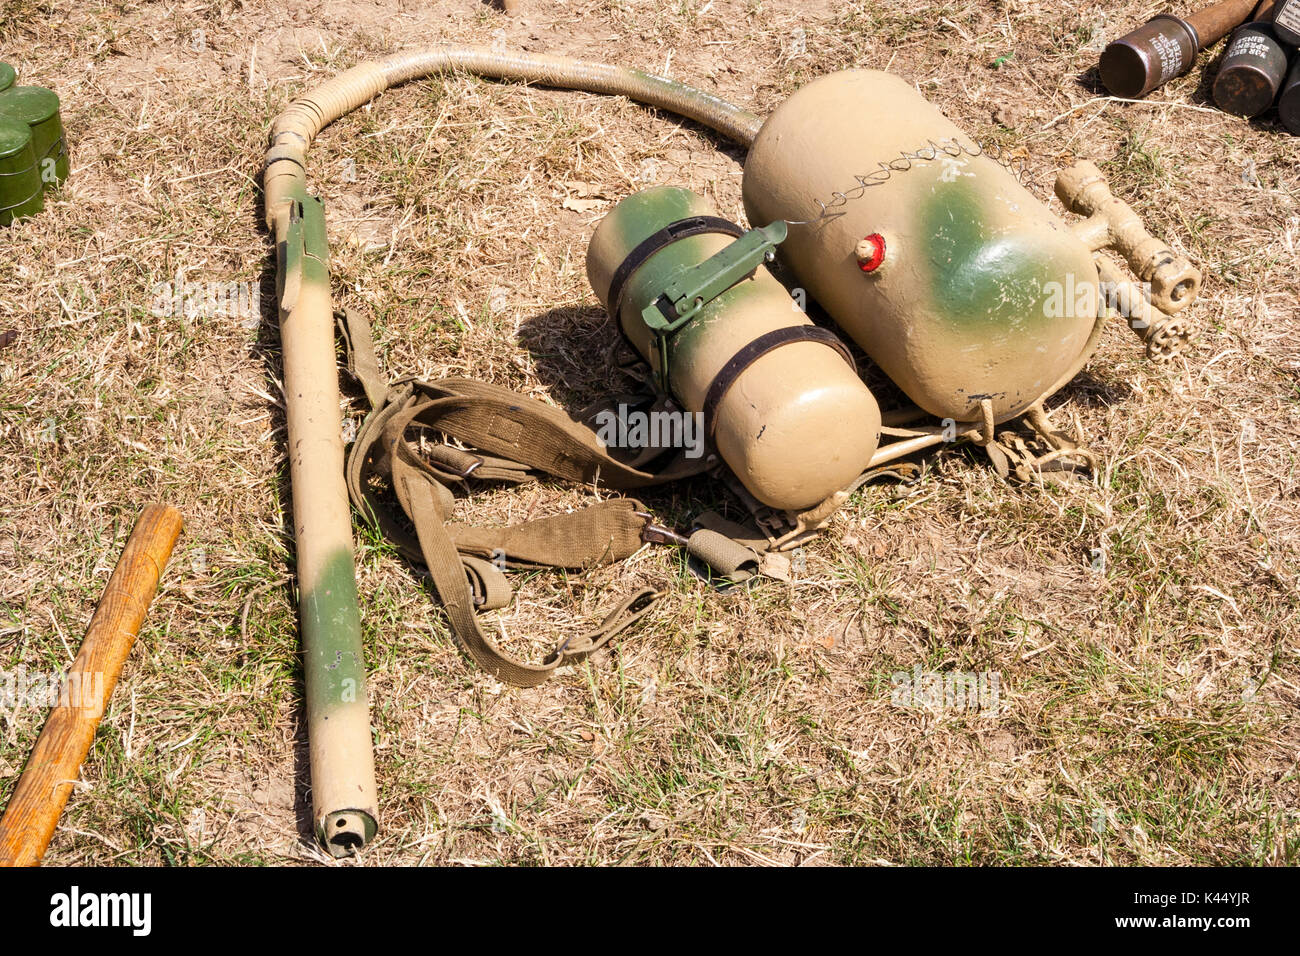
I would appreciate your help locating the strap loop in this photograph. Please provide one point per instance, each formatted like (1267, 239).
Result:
(726, 556)
(518, 438)
(619, 619)
(680, 229)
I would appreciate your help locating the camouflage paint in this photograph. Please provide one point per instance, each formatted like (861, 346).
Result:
(977, 278)
(332, 657)
(344, 795)
(335, 677)
(797, 425)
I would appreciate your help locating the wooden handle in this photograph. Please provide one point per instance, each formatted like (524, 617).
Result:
(53, 767)
(1215, 22)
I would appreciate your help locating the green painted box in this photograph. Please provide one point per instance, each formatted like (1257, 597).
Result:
(21, 191)
(39, 109)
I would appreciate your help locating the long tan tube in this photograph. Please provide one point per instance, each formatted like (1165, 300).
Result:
(342, 761)
(55, 763)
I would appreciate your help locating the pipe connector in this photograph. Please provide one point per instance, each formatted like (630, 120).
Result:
(1174, 281)
(1165, 336)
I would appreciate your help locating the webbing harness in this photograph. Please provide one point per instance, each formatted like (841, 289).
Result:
(516, 438)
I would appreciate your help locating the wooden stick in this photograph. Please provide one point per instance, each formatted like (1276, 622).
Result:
(55, 763)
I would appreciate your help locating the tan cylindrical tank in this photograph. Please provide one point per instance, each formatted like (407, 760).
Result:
(796, 424)
(952, 276)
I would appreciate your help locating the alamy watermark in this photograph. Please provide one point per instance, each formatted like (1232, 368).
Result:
(1083, 299)
(968, 691)
(630, 428)
(82, 691)
(184, 299)
(133, 911)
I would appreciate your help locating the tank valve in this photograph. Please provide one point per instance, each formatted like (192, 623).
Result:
(1174, 281)
(871, 252)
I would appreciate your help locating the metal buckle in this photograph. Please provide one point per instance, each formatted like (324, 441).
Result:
(654, 533)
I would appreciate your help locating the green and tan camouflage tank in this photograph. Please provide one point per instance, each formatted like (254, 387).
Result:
(774, 390)
(931, 255)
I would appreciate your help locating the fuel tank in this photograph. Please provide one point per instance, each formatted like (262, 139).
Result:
(957, 281)
(781, 399)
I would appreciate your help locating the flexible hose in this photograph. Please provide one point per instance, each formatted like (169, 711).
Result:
(342, 763)
(295, 128)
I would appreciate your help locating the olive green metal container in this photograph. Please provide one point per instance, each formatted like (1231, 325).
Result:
(21, 191)
(7, 76)
(39, 109)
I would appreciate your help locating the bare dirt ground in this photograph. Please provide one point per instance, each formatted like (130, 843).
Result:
(1143, 628)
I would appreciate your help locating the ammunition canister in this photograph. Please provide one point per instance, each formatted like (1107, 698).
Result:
(1149, 57)
(21, 193)
(1166, 46)
(1286, 22)
(1288, 103)
(39, 109)
(1252, 71)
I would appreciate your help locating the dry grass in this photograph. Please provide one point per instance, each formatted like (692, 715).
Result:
(1149, 706)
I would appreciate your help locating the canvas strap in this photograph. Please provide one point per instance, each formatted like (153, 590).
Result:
(472, 429)
(514, 439)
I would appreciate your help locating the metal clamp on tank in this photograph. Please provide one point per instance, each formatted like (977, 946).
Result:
(774, 395)
(693, 289)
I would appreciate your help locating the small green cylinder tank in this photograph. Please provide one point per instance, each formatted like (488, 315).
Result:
(7, 76)
(21, 191)
(39, 109)
(778, 395)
